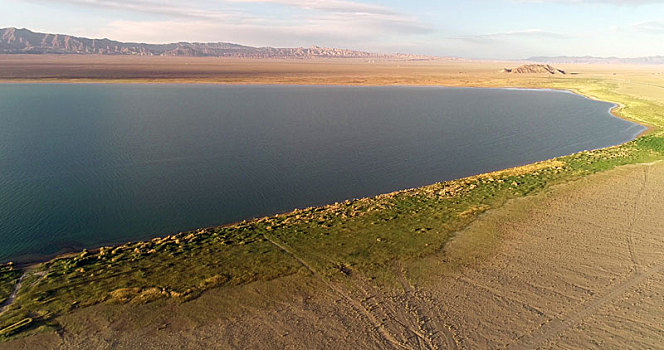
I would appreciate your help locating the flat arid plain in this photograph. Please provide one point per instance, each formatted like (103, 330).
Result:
(566, 253)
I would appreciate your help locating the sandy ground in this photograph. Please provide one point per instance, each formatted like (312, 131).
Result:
(230, 70)
(580, 266)
(645, 80)
(123, 69)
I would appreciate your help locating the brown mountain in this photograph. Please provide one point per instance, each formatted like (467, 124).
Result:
(534, 68)
(23, 41)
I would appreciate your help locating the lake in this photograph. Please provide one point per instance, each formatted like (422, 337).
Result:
(82, 165)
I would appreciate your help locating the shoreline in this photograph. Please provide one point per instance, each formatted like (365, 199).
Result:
(613, 111)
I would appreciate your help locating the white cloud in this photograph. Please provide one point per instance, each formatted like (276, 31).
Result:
(519, 34)
(526, 33)
(223, 9)
(331, 30)
(328, 5)
(169, 8)
(613, 2)
(323, 22)
(653, 27)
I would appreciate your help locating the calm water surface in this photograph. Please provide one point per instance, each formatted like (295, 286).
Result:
(85, 165)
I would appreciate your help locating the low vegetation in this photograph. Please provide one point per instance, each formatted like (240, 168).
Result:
(9, 277)
(357, 236)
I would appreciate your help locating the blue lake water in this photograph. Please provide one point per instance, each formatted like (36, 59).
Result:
(86, 165)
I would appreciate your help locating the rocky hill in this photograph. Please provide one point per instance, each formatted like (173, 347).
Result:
(23, 41)
(534, 69)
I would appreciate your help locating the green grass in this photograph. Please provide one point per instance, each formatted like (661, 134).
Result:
(359, 236)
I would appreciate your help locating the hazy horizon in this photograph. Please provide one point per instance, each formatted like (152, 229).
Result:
(499, 29)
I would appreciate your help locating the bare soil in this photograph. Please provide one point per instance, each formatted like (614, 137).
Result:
(580, 267)
(137, 69)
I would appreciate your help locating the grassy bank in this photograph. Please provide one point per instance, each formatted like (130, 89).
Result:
(360, 236)
(8, 279)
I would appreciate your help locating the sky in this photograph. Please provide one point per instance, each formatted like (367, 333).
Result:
(484, 29)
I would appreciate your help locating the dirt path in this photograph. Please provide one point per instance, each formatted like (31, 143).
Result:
(12, 296)
(567, 321)
(18, 286)
(405, 321)
(639, 204)
(431, 320)
(379, 326)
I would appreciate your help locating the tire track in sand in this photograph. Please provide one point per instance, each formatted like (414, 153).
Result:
(636, 212)
(556, 326)
(432, 324)
(383, 331)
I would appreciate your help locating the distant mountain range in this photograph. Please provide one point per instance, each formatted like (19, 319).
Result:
(591, 59)
(24, 41)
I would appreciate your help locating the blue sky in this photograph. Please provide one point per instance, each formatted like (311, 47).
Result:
(473, 28)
